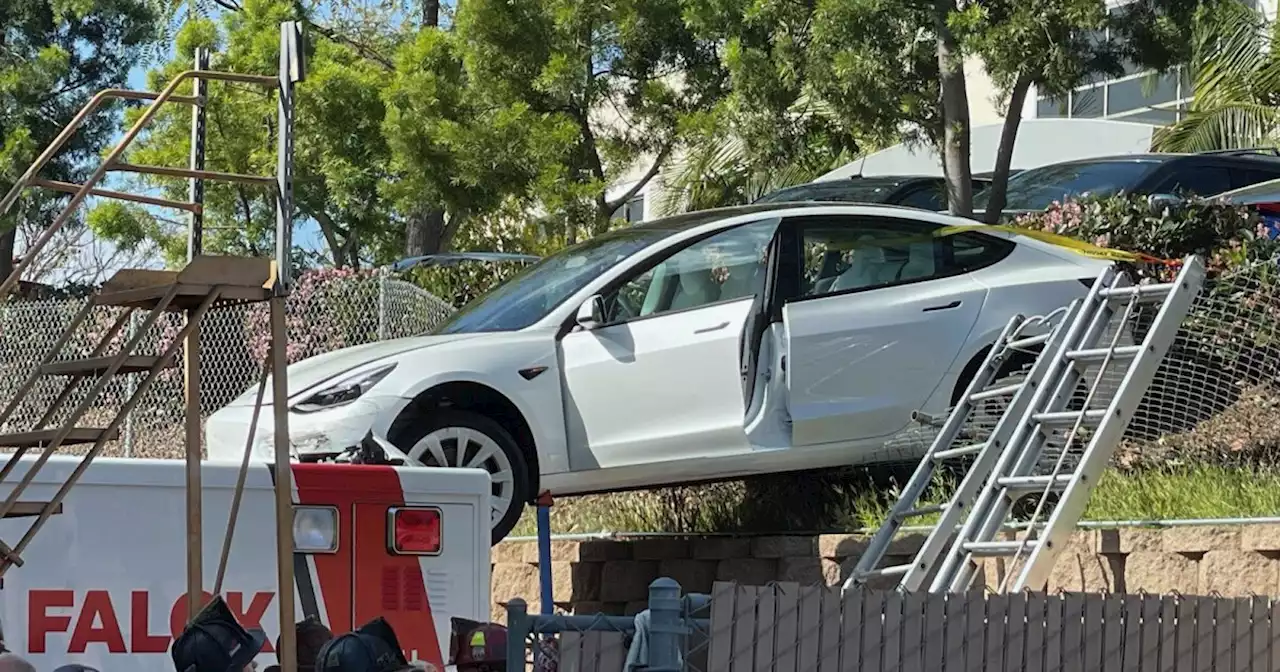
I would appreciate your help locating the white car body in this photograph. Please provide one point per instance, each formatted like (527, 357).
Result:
(659, 399)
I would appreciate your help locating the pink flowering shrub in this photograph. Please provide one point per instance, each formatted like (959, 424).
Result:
(328, 309)
(1226, 235)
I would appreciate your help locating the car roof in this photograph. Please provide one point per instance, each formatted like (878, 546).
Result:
(1166, 157)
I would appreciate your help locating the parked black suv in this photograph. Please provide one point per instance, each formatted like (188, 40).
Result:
(1203, 174)
(915, 191)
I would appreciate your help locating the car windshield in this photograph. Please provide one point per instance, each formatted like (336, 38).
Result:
(534, 292)
(1038, 188)
(861, 190)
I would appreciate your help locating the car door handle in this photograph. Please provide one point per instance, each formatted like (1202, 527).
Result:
(946, 306)
(717, 327)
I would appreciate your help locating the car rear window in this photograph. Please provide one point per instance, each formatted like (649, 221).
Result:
(861, 190)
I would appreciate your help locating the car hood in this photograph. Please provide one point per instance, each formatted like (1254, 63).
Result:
(315, 370)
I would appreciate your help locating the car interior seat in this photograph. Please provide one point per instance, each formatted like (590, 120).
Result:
(920, 261)
(695, 288)
(868, 267)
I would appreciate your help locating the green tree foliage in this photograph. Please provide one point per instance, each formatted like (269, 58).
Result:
(54, 55)
(626, 75)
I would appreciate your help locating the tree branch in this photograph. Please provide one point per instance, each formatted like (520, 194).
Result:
(648, 175)
(362, 49)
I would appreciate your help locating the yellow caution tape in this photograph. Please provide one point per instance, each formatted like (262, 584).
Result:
(1073, 244)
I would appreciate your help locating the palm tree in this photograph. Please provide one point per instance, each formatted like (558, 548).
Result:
(718, 171)
(1235, 74)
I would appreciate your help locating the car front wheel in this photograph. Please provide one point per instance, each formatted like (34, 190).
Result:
(452, 438)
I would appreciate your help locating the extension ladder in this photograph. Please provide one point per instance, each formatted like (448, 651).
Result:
(1004, 467)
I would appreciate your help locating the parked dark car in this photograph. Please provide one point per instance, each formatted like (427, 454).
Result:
(915, 191)
(1187, 175)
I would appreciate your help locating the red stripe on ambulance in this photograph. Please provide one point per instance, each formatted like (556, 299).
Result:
(384, 584)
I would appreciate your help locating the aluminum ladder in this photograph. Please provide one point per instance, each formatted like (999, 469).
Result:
(1006, 466)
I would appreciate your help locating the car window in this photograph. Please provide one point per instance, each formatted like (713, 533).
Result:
(847, 254)
(1198, 180)
(1246, 177)
(1038, 188)
(729, 265)
(926, 197)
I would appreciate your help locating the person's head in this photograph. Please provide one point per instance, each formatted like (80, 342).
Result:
(312, 635)
(372, 647)
(75, 667)
(12, 662)
(215, 642)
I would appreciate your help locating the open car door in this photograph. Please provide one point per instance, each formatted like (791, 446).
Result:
(656, 373)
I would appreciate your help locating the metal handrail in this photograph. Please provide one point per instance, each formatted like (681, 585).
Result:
(88, 186)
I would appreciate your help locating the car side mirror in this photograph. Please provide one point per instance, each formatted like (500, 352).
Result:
(1158, 202)
(591, 312)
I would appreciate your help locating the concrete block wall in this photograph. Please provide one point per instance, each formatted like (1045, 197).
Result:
(612, 577)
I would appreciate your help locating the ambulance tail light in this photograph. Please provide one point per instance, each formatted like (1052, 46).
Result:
(315, 529)
(414, 530)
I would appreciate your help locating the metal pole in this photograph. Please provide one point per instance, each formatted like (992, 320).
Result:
(195, 236)
(546, 597)
(287, 655)
(191, 361)
(291, 72)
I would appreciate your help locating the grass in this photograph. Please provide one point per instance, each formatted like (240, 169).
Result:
(845, 502)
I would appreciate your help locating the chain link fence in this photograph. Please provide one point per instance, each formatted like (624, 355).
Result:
(327, 310)
(1214, 398)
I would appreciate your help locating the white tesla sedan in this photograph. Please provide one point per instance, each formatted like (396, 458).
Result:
(711, 345)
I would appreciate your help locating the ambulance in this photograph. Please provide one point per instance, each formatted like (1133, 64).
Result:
(103, 583)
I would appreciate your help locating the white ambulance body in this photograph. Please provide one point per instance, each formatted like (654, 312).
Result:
(104, 581)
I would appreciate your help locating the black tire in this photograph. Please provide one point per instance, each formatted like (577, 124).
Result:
(442, 418)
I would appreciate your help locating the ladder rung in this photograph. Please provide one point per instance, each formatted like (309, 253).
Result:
(994, 392)
(922, 511)
(193, 174)
(1028, 342)
(1060, 418)
(949, 453)
(997, 549)
(43, 437)
(1099, 354)
(892, 570)
(26, 509)
(97, 366)
(1026, 484)
(70, 188)
(1155, 290)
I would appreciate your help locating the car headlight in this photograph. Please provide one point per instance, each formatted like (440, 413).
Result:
(344, 390)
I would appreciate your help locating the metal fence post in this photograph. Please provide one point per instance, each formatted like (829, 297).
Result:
(382, 307)
(665, 626)
(518, 626)
(131, 384)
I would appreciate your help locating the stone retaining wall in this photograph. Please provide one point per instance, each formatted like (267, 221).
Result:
(613, 576)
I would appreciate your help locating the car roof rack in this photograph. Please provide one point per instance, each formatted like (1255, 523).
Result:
(1245, 151)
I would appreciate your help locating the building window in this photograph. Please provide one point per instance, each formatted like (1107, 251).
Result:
(632, 211)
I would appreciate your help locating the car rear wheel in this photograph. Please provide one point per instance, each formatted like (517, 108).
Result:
(449, 438)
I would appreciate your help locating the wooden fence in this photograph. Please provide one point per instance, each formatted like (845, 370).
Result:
(787, 627)
(802, 628)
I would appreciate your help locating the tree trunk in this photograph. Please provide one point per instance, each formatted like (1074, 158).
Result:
(425, 233)
(1004, 154)
(430, 13)
(955, 114)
